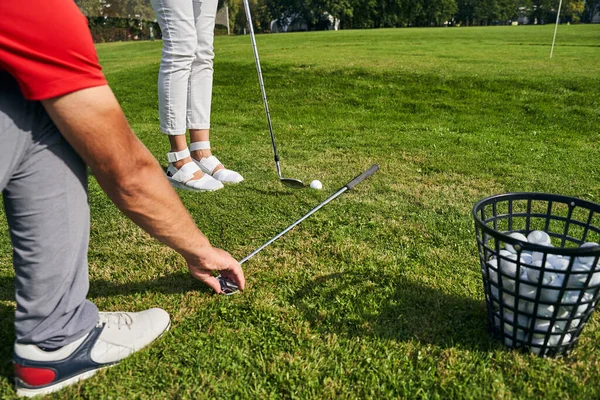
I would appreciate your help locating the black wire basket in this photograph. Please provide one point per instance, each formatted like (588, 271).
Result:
(539, 261)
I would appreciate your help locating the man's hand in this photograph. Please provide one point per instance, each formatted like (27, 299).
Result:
(92, 121)
(214, 259)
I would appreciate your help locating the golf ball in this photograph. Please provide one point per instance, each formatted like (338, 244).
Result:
(515, 235)
(587, 260)
(559, 263)
(508, 265)
(316, 185)
(580, 274)
(539, 237)
(523, 306)
(520, 338)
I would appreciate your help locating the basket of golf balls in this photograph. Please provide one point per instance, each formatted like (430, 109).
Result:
(539, 261)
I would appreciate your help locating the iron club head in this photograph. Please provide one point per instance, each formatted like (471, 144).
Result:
(228, 287)
(292, 183)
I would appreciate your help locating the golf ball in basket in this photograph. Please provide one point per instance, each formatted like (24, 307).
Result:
(508, 266)
(515, 235)
(520, 338)
(580, 274)
(524, 305)
(587, 260)
(316, 185)
(539, 237)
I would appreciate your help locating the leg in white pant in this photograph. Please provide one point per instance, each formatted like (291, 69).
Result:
(201, 77)
(185, 89)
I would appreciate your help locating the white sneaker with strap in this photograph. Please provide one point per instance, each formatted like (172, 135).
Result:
(208, 165)
(183, 178)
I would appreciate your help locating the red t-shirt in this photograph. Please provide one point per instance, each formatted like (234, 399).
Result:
(47, 47)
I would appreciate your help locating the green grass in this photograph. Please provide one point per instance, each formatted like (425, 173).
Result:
(379, 294)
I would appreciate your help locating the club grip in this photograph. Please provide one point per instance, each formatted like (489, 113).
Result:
(374, 168)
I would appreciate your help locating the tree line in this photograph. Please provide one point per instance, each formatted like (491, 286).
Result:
(360, 14)
(112, 20)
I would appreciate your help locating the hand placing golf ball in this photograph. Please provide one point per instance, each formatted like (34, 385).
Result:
(316, 184)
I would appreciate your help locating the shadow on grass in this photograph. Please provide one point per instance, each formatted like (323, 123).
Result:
(179, 282)
(367, 304)
(281, 192)
(7, 337)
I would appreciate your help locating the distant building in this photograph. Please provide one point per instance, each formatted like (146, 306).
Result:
(295, 23)
(596, 18)
(523, 19)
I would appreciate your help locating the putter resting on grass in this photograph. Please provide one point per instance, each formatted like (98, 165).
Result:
(228, 287)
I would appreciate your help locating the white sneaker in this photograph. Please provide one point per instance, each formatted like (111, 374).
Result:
(116, 336)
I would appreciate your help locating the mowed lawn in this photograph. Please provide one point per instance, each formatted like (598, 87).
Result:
(378, 295)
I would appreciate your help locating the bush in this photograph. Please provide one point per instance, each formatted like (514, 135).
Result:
(107, 29)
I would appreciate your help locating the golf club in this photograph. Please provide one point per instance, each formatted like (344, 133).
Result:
(289, 182)
(228, 287)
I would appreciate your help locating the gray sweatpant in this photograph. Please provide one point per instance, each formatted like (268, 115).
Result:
(44, 186)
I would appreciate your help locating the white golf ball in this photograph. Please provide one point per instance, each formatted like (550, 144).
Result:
(570, 299)
(533, 275)
(526, 258)
(505, 253)
(508, 284)
(493, 270)
(541, 325)
(587, 260)
(562, 316)
(552, 295)
(553, 341)
(515, 235)
(561, 325)
(539, 237)
(543, 310)
(510, 323)
(558, 263)
(528, 291)
(520, 338)
(524, 305)
(538, 256)
(316, 185)
(508, 265)
(580, 276)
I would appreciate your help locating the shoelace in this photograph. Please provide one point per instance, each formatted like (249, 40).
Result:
(118, 318)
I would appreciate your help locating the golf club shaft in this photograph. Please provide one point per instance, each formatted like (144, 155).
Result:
(262, 85)
(346, 187)
(286, 230)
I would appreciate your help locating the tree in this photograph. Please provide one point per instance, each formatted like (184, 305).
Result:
(591, 8)
(465, 11)
(574, 11)
(93, 8)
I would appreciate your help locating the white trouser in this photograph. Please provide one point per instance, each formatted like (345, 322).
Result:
(186, 68)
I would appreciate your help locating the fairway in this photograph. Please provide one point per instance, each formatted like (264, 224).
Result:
(379, 294)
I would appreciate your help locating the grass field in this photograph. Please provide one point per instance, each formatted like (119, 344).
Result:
(379, 295)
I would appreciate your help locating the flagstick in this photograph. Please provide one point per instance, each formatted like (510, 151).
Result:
(555, 27)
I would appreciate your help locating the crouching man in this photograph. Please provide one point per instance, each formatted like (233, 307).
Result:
(58, 116)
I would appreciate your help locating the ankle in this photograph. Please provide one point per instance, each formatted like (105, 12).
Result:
(182, 162)
(200, 154)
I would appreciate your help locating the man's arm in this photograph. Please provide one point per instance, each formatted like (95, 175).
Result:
(92, 121)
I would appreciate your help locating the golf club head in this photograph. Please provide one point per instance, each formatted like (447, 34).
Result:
(292, 183)
(228, 287)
